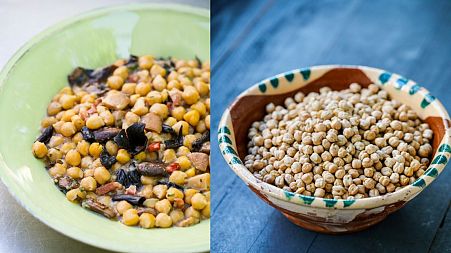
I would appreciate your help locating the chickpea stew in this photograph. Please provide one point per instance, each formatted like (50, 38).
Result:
(131, 141)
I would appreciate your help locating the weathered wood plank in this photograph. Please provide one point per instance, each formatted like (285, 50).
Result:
(231, 20)
(408, 37)
(442, 240)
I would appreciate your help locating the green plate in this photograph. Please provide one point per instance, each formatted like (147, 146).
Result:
(39, 69)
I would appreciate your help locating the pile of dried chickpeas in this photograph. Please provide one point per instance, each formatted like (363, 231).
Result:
(348, 144)
(131, 141)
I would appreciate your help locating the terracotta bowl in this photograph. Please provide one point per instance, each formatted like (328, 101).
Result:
(330, 215)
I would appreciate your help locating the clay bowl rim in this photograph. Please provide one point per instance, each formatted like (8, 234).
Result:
(404, 195)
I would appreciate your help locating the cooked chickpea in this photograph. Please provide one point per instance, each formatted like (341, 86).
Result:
(174, 193)
(160, 110)
(147, 220)
(101, 175)
(178, 177)
(68, 129)
(115, 82)
(39, 149)
(123, 206)
(73, 157)
(123, 156)
(75, 172)
(95, 122)
(95, 149)
(163, 206)
(130, 217)
(163, 220)
(57, 170)
(160, 191)
(198, 201)
(190, 95)
(178, 112)
(184, 125)
(192, 117)
(142, 88)
(88, 183)
(67, 101)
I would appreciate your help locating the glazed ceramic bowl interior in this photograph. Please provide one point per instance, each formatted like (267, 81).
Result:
(40, 68)
(250, 107)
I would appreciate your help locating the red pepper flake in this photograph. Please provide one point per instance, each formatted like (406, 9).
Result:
(172, 167)
(154, 146)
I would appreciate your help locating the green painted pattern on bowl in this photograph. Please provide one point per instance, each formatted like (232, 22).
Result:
(39, 69)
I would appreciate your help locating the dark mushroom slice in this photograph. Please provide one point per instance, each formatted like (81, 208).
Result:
(197, 144)
(67, 183)
(136, 137)
(133, 138)
(152, 169)
(106, 159)
(46, 135)
(79, 76)
(105, 134)
(128, 178)
(170, 184)
(199, 61)
(122, 140)
(87, 134)
(132, 62)
(99, 208)
(132, 199)
(122, 178)
(168, 129)
(176, 142)
(101, 74)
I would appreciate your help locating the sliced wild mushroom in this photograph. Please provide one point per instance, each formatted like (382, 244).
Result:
(197, 144)
(128, 178)
(133, 138)
(170, 184)
(134, 200)
(106, 188)
(105, 134)
(106, 159)
(67, 183)
(176, 142)
(116, 100)
(199, 160)
(152, 169)
(150, 210)
(153, 122)
(81, 76)
(87, 134)
(99, 208)
(45, 135)
(168, 129)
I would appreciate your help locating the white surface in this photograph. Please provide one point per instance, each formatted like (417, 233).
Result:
(20, 20)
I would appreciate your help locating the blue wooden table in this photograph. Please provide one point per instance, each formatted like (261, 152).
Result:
(255, 39)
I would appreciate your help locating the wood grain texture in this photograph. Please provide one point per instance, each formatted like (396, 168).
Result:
(409, 37)
(21, 19)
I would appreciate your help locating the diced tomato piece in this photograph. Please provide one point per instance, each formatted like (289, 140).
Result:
(172, 167)
(153, 147)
